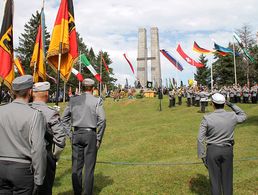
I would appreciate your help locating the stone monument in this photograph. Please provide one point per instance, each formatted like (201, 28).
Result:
(142, 66)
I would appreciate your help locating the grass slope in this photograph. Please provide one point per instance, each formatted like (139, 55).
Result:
(138, 132)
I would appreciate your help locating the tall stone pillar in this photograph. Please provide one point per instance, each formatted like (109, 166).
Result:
(155, 53)
(142, 72)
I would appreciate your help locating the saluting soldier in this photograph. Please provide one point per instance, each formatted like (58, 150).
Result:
(86, 115)
(245, 95)
(197, 98)
(55, 134)
(22, 144)
(216, 132)
(232, 95)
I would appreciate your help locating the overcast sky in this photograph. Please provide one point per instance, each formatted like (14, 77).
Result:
(112, 26)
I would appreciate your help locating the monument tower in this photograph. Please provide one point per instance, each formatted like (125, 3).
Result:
(142, 65)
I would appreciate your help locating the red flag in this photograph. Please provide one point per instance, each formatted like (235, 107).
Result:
(130, 64)
(105, 64)
(187, 58)
(6, 46)
(64, 32)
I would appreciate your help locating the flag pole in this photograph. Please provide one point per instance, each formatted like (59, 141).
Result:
(80, 71)
(100, 85)
(64, 92)
(211, 77)
(58, 73)
(234, 54)
(34, 72)
(1, 90)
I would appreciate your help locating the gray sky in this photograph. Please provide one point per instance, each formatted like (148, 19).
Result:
(112, 26)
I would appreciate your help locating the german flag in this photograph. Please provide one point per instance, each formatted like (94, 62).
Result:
(64, 39)
(19, 67)
(6, 46)
(37, 62)
(198, 49)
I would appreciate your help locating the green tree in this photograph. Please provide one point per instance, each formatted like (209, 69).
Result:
(203, 75)
(27, 41)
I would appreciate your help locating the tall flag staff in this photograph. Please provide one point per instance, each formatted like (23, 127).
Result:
(100, 83)
(63, 48)
(234, 57)
(6, 47)
(80, 71)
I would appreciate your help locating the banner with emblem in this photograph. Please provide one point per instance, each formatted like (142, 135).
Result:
(6, 46)
(63, 41)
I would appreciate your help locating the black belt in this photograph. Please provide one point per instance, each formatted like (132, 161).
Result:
(84, 129)
(226, 144)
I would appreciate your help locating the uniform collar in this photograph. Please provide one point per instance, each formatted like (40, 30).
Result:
(219, 110)
(39, 103)
(20, 101)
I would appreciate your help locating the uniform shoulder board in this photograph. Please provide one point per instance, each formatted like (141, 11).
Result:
(34, 108)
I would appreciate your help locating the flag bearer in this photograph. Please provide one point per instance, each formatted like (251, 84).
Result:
(216, 132)
(86, 115)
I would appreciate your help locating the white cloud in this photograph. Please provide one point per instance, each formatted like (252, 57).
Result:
(112, 25)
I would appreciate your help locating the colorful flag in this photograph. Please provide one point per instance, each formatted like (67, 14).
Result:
(175, 62)
(19, 67)
(64, 39)
(105, 64)
(87, 64)
(77, 74)
(37, 62)
(130, 64)
(6, 46)
(222, 49)
(187, 58)
(199, 49)
(242, 47)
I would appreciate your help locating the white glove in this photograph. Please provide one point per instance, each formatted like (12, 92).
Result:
(57, 152)
(57, 108)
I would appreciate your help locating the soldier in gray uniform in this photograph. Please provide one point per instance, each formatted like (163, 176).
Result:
(216, 132)
(22, 144)
(55, 135)
(245, 95)
(86, 115)
(189, 96)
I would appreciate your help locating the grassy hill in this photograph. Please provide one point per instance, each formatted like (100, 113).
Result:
(138, 132)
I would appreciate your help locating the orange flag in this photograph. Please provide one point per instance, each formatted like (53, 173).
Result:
(6, 46)
(64, 34)
(19, 67)
(37, 62)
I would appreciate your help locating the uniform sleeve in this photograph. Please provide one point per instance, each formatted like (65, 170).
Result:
(240, 114)
(66, 120)
(202, 138)
(38, 147)
(58, 129)
(101, 120)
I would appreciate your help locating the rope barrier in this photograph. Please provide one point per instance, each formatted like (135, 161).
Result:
(161, 163)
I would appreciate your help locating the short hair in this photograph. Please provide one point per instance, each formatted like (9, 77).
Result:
(87, 88)
(218, 106)
(39, 94)
(21, 93)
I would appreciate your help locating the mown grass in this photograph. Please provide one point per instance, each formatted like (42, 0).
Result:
(138, 132)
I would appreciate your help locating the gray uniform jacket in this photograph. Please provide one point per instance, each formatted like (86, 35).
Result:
(22, 131)
(85, 111)
(218, 128)
(55, 128)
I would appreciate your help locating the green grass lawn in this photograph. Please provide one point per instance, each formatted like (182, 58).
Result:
(138, 132)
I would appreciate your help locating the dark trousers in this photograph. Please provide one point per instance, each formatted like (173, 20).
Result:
(46, 188)
(245, 100)
(193, 101)
(232, 100)
(188, 102)
(179, 100)
(16, 178)
(197, 103)
(254, 100)
(203, 106)
(84, 154)
(220, 166)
